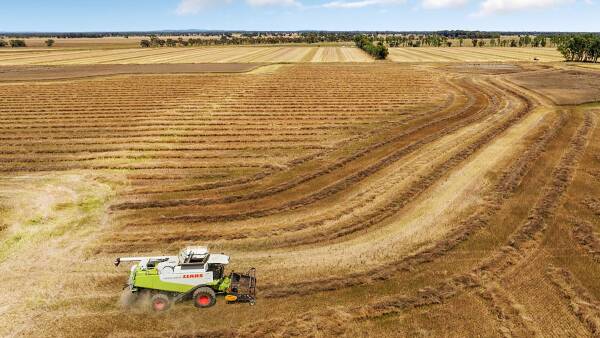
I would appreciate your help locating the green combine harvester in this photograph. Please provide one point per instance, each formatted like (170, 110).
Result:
(193, 274)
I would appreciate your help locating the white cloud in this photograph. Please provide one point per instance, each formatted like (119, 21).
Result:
(195, 6)
(187, 7)
(498, 6)
(361, 3)
(437, 4)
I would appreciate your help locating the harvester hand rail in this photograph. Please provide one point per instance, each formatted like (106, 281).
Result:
(137, 259)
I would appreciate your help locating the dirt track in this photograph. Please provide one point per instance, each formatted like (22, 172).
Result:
(434, 202)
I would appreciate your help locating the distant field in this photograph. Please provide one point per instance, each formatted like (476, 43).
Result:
(107, 42)
(271, 54)
(183, 55)
(470, 54)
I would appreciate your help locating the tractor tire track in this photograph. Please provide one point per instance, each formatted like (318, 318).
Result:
(581, 303)
(583, 232)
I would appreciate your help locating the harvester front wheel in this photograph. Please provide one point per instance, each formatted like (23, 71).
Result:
(160, 302)
(204, 297)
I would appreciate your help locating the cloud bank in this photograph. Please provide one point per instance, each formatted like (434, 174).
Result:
(486, 7)
(502, 6)
(187, 7)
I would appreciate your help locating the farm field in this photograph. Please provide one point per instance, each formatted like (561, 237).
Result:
(288, 54)
(432, 199)
(470, 54)
(233, 54)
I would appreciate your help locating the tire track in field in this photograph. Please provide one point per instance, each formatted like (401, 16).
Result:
(583, 232)
(581, 303)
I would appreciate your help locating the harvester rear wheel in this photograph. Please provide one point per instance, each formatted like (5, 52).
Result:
(204, 297)
(160, 302)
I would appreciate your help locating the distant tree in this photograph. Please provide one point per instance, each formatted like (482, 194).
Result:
(145, 43)
(378, 51)
(474, 42)
(513, 43)
(171, 43)
(17, 43)
(3, 43)
(543, 42)
(460, 42)
(582, 48)
(49, 42)
(481, 43)
(449, 43)
(155, 41)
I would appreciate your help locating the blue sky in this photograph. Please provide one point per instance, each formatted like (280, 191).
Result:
(118, 15)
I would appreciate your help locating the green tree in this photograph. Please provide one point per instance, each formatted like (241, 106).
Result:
(17, 43)
(49, 43)
(3, 43)
(474, 42)
(145, 43)
(582, 48)
(378, 51)
(171, 43)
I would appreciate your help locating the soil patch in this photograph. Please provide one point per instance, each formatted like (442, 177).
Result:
(563, 87)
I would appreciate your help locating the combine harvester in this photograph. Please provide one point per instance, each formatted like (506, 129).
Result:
(193, 274)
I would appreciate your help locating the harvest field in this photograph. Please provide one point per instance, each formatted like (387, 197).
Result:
(469, 54)
(374, 199)
(234, 54)
(290, 54)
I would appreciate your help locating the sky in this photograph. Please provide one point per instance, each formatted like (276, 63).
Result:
(370, 15)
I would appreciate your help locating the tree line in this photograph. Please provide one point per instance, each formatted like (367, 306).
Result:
(16, 43)
(248, 39)
(379, 51)
(580, 47)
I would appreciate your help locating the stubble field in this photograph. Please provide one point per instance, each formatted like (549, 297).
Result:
(273, 54)
(374, 199)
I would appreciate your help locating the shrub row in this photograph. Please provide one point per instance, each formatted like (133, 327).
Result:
(13, 43)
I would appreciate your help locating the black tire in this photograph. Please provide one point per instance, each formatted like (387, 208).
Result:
(160, 302)
(204, 297)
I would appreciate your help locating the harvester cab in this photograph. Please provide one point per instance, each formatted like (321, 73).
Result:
(193, 274)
